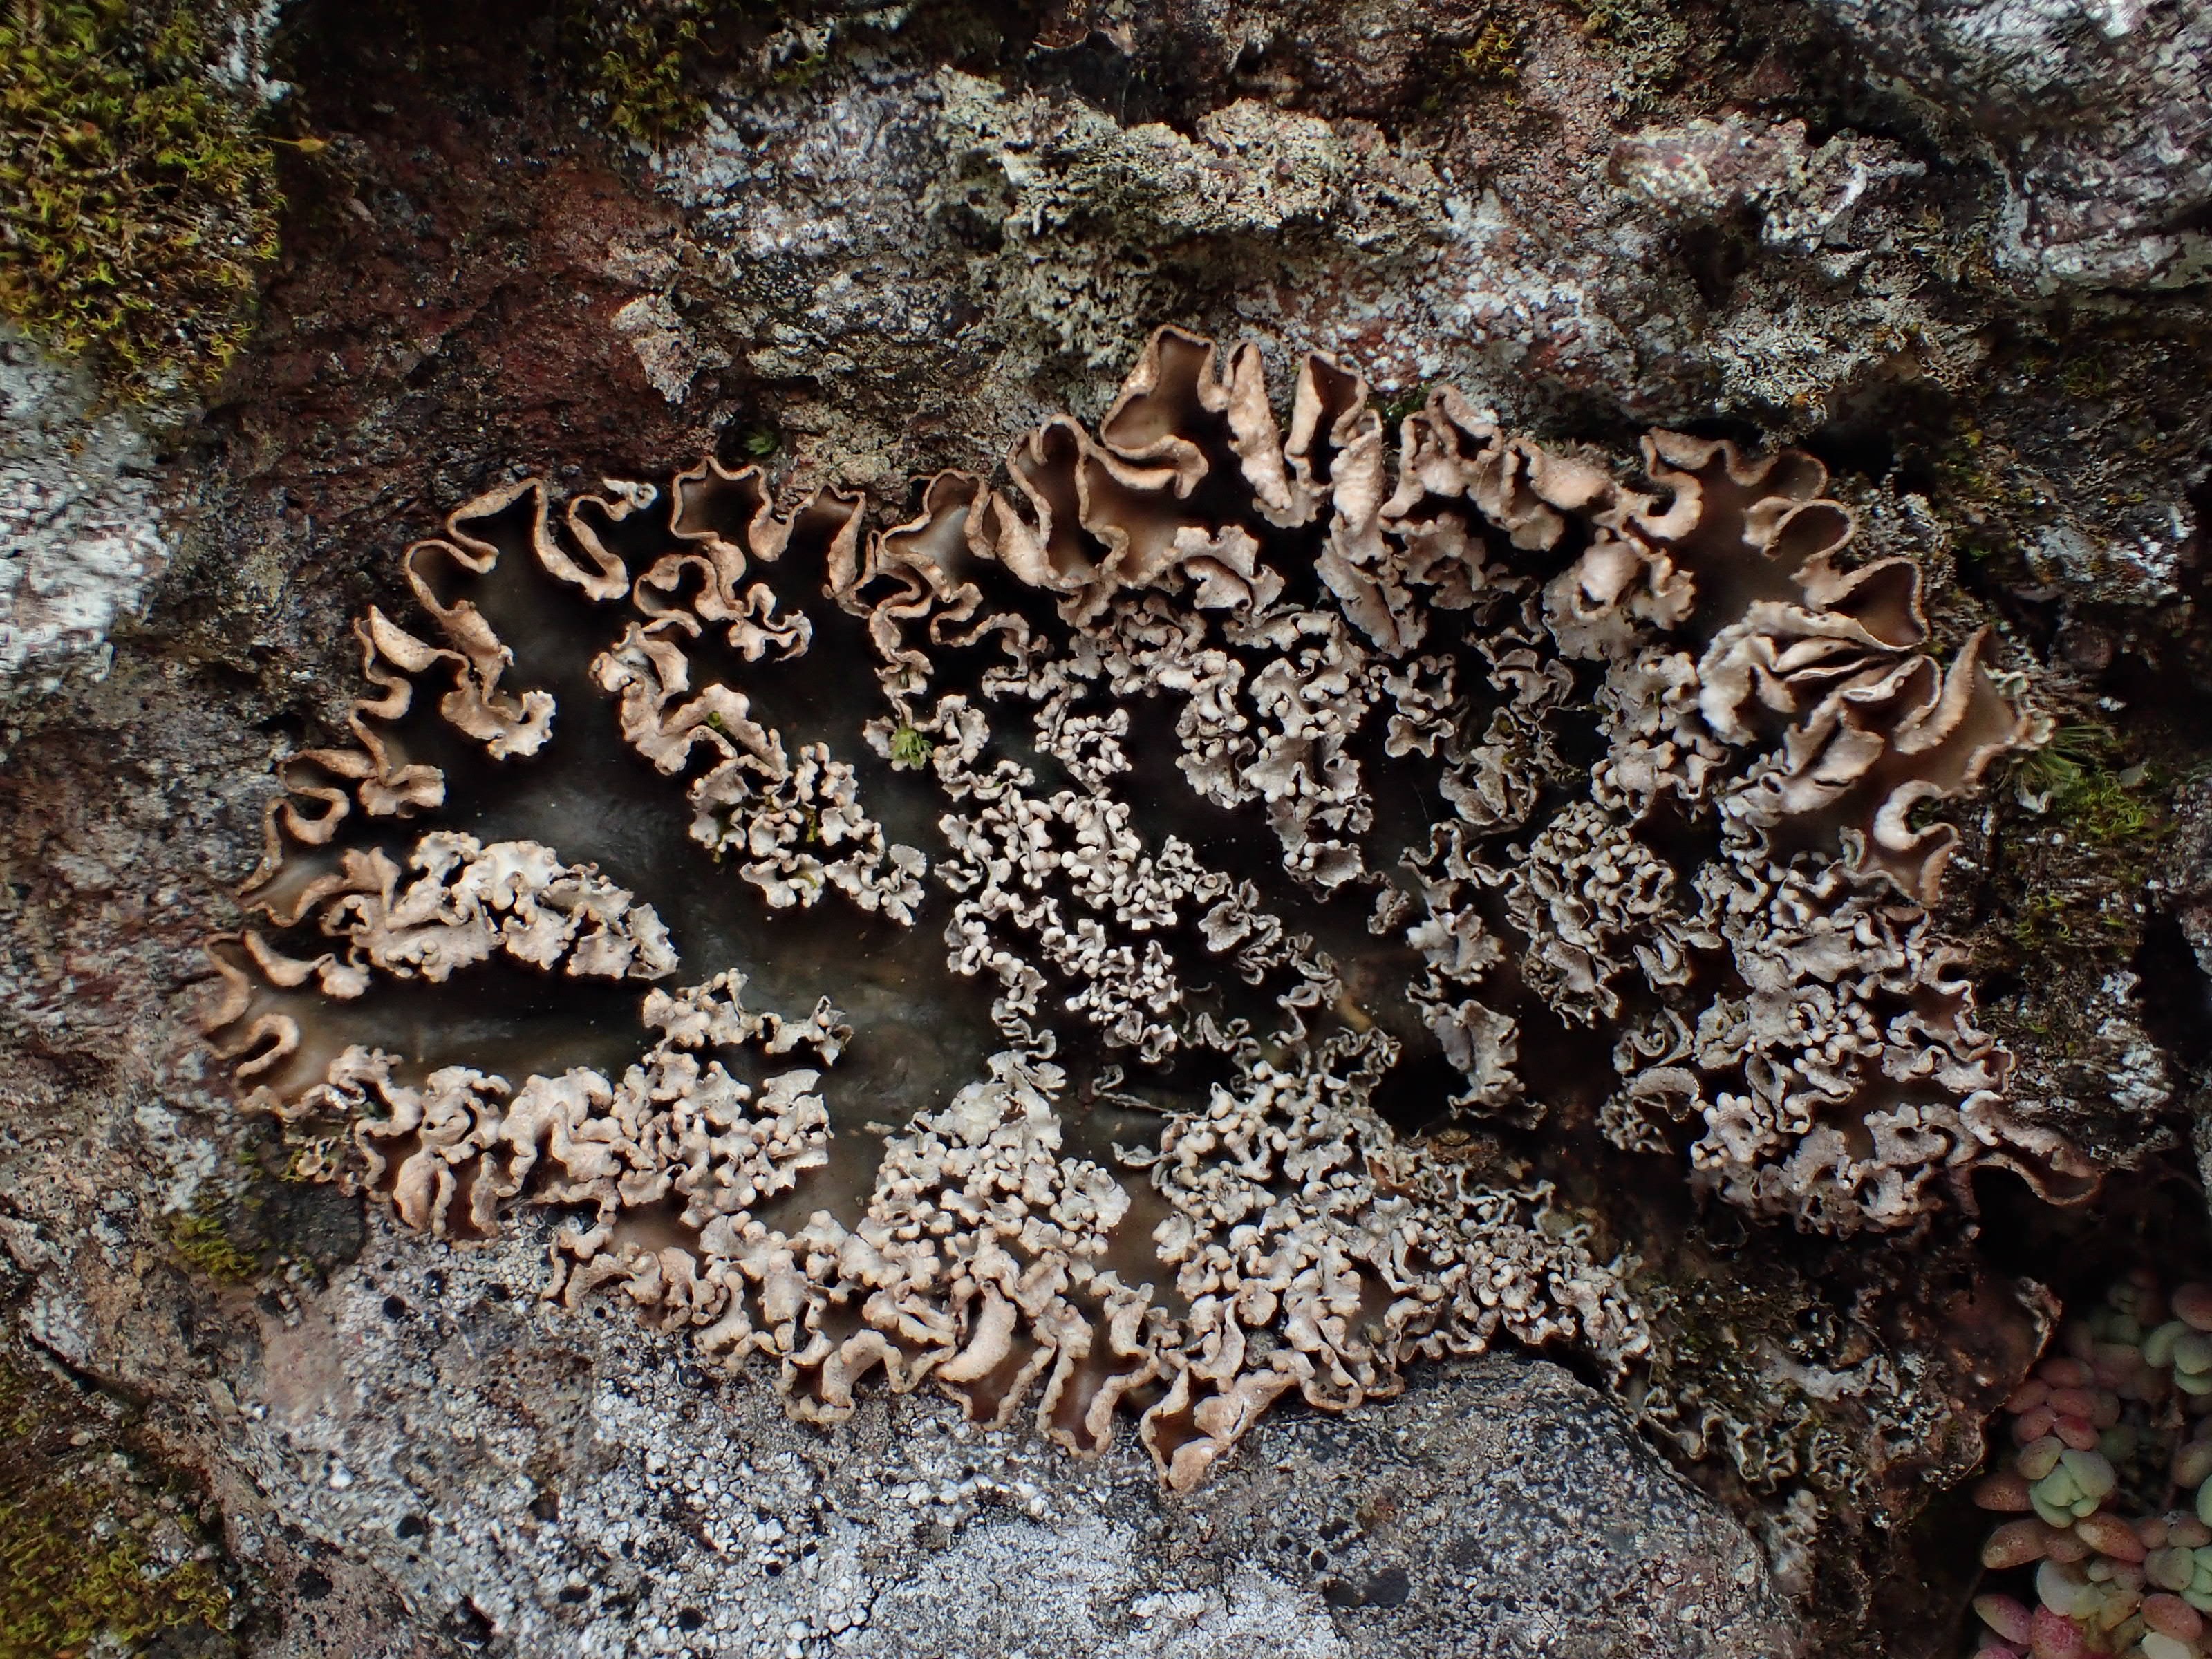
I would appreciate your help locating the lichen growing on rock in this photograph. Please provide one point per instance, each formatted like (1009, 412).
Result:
(82, 532)
(1278, 804)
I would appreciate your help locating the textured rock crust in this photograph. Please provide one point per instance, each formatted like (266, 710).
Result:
(82, 538)
(2090, 107)
(583, 1497)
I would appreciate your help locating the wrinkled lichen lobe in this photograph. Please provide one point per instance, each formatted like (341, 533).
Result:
(1133, 855)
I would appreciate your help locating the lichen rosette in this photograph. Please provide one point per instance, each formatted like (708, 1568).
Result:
(1158, 841)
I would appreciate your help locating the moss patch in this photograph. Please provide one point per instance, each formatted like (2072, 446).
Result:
(2079, 826)
(1393, 408)
(640, 65)
(648, 65)
(137, 202)
(1496, 53)
(267, 1219)
(2109, 806)
(2100, 819)
(96, 1553)
(203, 1237)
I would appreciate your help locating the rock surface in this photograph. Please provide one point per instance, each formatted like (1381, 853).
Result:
(2088, 105)
(502, 1463)
(81, 531)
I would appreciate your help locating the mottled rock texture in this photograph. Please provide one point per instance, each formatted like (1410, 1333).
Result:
(1956, 251)
(81, 531)
(592, 1496)
(2095, 111)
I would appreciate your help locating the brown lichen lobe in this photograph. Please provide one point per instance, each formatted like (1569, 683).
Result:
(1580, 765)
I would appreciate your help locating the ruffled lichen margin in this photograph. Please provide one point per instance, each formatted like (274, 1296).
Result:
(1287, 791)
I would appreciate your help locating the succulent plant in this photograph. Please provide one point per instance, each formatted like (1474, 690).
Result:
(2110, 1475)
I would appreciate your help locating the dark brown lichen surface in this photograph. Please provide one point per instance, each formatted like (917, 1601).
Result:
(1267, 793)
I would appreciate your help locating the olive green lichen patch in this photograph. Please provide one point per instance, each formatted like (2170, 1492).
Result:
(1653, 42)
(138, 202)
(262, 1218)
(97, 1553)
(2088, 818)
(2066, 907)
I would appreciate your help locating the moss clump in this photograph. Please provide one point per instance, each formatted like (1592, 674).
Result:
(2112, 809)
(1495, 55)
(84, 1567)
(2085, 822)
(801, 69)
(2107, 807)
(2043, 921)
(202, 1237)
(647, 64)
(910, 747)
(1491, 59)
(640, 65)
(1394, 408)
(137, 200)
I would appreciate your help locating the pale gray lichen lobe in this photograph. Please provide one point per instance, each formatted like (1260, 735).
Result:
(1281, 792)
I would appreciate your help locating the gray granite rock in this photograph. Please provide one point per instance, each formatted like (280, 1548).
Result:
(2094, 109)
(564, 1484)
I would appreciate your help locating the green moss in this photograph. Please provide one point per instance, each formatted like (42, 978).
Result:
(202, 1237)
(2107, 806)
(2042, 922)
(802, 70)
(2083, 825)
(1495, 55)
(647, 64)
(909, 747)
(1394, 409)
(79, 1564)
(2088, 376)
(1492, 59)
(2112, 809)
(642, 65)
(138, 203)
